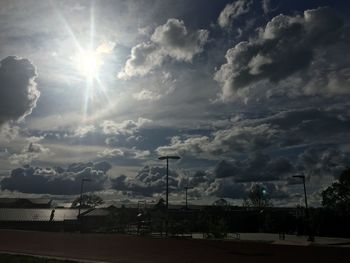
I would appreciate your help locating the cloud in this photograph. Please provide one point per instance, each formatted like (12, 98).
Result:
(278, 131)
(286, 46)
(163, 86)
(8, 132)
(274, 191)
(258, 167)
(18, 92)
(267, 6)
(58, 181)
(233, 11)
(227, 188)
(144, 57)
(127, 127)
(32, 151)
(177, 42)
(147, 95)
(124, 152)
(171, 40)
(82, 131)
(149, 181)
(242, 139)
(322, 161)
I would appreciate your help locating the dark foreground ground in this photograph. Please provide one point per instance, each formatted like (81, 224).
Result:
(133, 249)
(10, 258)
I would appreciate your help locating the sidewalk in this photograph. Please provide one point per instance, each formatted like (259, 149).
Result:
(289, 239)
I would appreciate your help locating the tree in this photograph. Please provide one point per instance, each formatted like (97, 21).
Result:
(88, 201)
(160, 205)
(337, 196)
(258, 197)
(221, 202)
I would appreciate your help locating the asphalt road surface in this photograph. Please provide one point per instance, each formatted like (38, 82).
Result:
(133, 249)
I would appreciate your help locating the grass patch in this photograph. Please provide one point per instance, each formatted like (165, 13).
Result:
(9, 258)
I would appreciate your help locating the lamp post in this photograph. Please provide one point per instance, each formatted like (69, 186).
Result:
(301, 176)
(186, 188)
(167, 157)
(81, 194)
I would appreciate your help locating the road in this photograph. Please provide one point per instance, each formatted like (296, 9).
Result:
(133, 249)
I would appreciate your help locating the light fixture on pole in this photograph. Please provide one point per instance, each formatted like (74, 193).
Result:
(167, 157)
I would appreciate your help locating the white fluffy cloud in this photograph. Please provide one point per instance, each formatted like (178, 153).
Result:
(132, 153)
(127, 127)
(81, 131)
(171, 40)
(32, 151)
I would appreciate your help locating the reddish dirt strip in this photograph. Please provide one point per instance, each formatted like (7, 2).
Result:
(133, 249)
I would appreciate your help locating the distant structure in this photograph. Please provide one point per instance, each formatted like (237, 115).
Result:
(25, 203)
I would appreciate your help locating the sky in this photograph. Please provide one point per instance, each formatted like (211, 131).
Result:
(246, 92)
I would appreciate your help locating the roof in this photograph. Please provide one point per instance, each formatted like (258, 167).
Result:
(28, 214)
(96, 212)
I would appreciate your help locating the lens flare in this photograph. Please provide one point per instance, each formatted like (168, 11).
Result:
(88, 63)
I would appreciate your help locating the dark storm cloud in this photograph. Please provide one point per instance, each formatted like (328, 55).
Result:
(287, 44)
(257, 168)
(57, 181)
(148, 181)
(151, 181)
(310, 125)
(274, 191)
(227, 188)
(283, 129)
(321, 161)
(18, 91)
(243, 139)
(171, 40)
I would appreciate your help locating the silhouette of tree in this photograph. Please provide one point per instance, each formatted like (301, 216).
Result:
(160, 205)
(337, 196)
(88, 201)
(258, 197)
(221, 202)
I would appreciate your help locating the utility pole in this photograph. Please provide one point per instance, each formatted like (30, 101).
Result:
(167, 157)
(81, 195)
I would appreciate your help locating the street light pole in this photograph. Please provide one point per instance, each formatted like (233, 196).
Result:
(310, 238)
(81, 194)
(186, 188)
(303, 178)
(167, 157)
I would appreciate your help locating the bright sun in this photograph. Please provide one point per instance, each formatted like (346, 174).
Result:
(88, 62)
